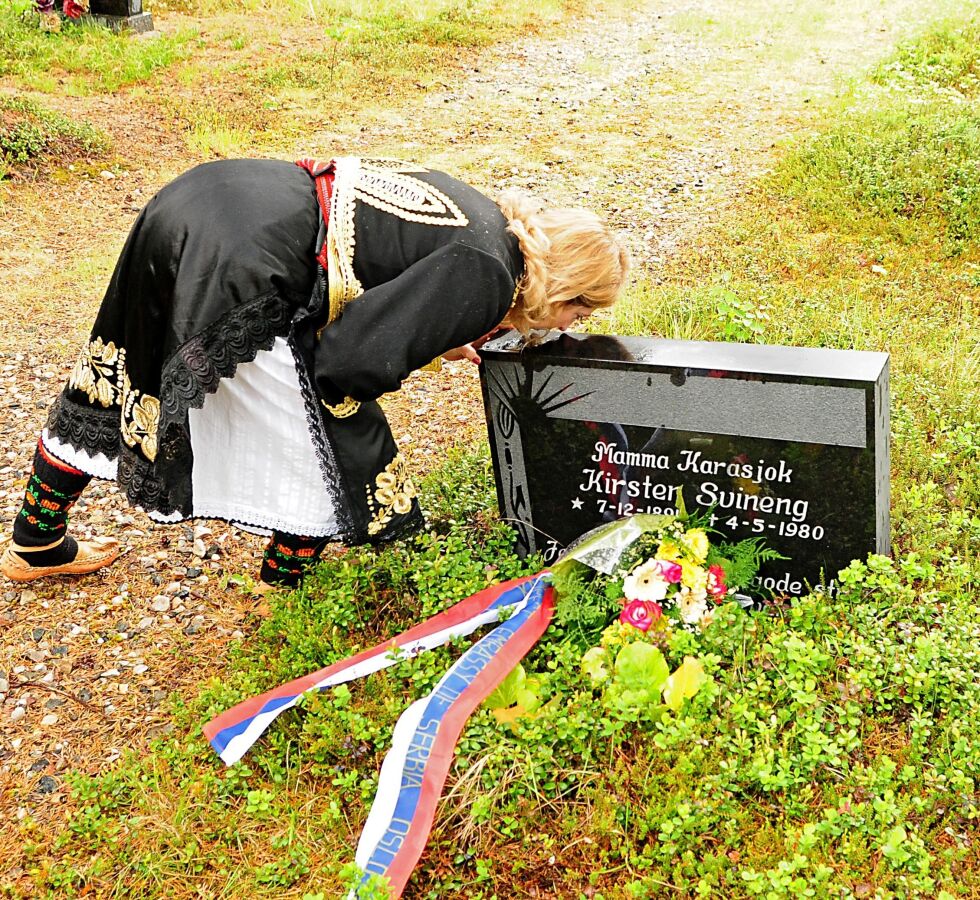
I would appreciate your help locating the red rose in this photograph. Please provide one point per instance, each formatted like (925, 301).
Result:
(641, 614)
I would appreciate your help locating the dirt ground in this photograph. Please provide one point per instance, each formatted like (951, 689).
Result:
(659, 117)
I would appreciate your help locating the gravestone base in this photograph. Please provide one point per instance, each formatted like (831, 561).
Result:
(120, 15)
(141, 23)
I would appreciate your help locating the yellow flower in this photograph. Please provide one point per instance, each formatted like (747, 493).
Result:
(669, 551)
(696, 543)
(384, 496)
(694, 577)
(403, 503)
(386, 480)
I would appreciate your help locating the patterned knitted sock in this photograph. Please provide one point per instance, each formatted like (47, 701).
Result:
(287, 557)
(52, 489)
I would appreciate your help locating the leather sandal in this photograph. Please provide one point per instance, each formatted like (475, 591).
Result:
(92, 555)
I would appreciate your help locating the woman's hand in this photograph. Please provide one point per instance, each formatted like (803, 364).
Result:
(469, 351)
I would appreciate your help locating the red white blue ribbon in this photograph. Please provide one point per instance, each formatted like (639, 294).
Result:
(425, 735)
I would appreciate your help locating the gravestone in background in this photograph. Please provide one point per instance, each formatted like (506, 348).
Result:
(119, 14)
(785, 443)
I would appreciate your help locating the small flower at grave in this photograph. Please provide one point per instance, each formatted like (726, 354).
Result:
(691, 606)
(696, 543)
(671, 572)
(716, 583)
(646, 582)
(694, 577)
(669, 550)
(640, 614)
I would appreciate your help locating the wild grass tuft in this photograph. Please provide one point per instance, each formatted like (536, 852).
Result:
(30, 135)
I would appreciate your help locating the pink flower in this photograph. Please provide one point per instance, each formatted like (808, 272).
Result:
(641, 614)
(669, 571)
(716, 582)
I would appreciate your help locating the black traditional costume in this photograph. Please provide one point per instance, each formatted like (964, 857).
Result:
(257, 312)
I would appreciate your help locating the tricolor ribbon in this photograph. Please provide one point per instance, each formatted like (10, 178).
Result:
(416, 766)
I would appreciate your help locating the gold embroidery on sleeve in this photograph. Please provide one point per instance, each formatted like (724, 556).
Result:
(390, 164)
(392, 494)
(342, 283)
(408, 198)
(347, 407)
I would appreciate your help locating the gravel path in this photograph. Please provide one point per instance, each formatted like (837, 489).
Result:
(660, 117)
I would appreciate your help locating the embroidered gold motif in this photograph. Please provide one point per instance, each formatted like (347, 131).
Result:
(342, 283)
(140, 420)
(392, 494)
(385, 185)
(99, 371)
(408, 198)
(347, 407)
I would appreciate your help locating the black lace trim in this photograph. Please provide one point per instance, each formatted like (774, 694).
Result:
(327, 459)
(199, 365)
(85, 427)
(142, 486)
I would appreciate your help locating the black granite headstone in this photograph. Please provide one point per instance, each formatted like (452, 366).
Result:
(790, 444)
(119, 14)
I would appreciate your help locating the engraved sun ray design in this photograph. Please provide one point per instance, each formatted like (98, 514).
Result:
(551, 397)
(521, 392)
(544, 404)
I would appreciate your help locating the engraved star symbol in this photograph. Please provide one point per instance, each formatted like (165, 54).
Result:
(576, 503)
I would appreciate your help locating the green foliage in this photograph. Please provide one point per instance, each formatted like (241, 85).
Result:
(29, 133)
(910, 171)
(639, 675)
(742, 561)
(739, 319)
(583, 608)
(947, 57)
(914, 173)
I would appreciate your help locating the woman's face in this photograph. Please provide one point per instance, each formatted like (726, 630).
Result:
(566, 315)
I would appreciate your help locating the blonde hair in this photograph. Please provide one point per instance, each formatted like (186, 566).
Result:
(570, 256)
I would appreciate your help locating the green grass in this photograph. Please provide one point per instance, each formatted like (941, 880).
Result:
(82, 58)
(835, 753)
(412, 42)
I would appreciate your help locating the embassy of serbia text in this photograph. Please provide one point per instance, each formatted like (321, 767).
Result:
(617, 492)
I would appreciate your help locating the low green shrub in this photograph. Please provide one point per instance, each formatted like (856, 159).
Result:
(31, 134)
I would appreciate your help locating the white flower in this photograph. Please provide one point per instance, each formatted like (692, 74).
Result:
(646, 582)
(691, 605)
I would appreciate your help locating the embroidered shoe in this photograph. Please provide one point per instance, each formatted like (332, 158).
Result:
(91, 556)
